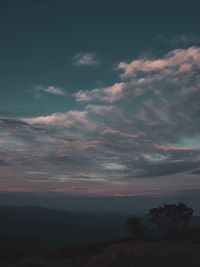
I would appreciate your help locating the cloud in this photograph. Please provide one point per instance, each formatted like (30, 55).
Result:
(142, 128)
(54, 90)
(196, 172)
(185, 39)
(99, 110)
(173, 61)
(4, 163)
(153, 76)
(72, 118)
(85, 59)
(114, 132)
(165, 169)
(174, 148)
(106, 94)
(114, 166)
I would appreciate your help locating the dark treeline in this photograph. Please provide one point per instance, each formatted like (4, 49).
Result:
(170, 221)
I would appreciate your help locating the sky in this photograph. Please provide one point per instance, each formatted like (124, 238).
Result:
(99, 98)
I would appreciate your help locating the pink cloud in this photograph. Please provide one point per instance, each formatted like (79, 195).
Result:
(183, 59)
(67, 120)
(119, 133)
(173, 148)
(107, 94)
(172, 68)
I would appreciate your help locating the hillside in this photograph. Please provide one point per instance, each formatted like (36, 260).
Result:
(42, 237)
(27, 229)
(125, 253)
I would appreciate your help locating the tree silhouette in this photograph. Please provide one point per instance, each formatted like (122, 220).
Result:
(171, 219)
(135, 227)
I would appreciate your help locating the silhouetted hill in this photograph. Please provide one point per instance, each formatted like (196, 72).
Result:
(25, 228)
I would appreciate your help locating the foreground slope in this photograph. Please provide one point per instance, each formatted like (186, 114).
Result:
(117, 254)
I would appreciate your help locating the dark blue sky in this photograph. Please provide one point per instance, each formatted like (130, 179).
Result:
(39, 39)
(98, 97)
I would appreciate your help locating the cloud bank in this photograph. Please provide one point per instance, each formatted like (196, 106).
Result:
(135, 134)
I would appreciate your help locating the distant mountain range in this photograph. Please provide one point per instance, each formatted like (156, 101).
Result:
(28, 229)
